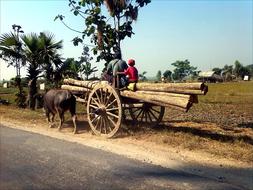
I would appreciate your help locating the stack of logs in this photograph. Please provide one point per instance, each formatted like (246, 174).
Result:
(176, 95)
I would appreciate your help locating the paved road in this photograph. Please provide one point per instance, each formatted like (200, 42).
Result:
(32, 161)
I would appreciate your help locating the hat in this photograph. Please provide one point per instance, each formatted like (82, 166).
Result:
(131, 62)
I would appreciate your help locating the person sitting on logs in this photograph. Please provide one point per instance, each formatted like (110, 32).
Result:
(115, 69)
(132, 75)
(131, 72)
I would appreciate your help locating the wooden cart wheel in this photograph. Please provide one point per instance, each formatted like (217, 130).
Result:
(104, 110)
(147, 113)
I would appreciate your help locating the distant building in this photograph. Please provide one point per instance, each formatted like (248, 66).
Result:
(246, 78)
(5, 85)
(209, 76)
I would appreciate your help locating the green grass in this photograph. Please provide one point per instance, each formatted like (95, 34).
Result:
(8, 94)
(233, 93)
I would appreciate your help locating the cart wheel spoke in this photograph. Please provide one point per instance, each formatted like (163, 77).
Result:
(142, 116)
(98, 122)
(109, 123)
(99, 101)
(136, 109)
(93, 100)
(95, 118)
(95, 107)
(101, 92)
(111, 103)
(113, 115)
(112, 109)
(154, 110)
(150, 118)
(139, 114)
(154, 116)
(105, 96)
(104, 125)
(108, 99)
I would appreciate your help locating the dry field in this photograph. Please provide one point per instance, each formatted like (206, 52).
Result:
(220, 125)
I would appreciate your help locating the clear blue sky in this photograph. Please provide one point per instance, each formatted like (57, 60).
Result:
(209, 33)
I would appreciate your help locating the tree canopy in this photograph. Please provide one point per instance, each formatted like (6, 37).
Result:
(183, 69)
(106, 31)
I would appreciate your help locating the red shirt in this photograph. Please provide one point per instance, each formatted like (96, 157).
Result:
(132, 73)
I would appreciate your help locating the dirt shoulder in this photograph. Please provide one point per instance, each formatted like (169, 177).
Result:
(196, 162)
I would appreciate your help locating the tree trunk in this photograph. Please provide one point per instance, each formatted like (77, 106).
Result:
(32, 90)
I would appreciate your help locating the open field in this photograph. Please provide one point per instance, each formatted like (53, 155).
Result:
(220, 125)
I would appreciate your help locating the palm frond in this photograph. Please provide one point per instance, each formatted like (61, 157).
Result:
(9, 39)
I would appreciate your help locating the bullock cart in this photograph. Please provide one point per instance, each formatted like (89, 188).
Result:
(107, 104)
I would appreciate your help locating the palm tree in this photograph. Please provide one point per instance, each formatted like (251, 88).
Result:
(11, 52)
(41, 54)
(32, 52)
(51, 58)
(9, 46)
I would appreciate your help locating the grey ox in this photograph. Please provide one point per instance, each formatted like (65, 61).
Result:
(59, 101)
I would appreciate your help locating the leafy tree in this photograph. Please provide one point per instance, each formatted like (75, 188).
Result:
(167, 74)
(238, 69)
(183, 69)
(142, 76)
(159, 75)
(85, 61)
(87, 69)
(217, 70)
(245, 71)
(250, 68)
(70, 68)
(227, 72)
(241, 71)
(228, 69)
(105, 31)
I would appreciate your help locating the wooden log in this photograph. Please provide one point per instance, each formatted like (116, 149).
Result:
(74, 88)
(173, 90)
(180, 88)
(168, 94)
(191, 97)
(193, 86)
(85, 84)
(162, 100)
